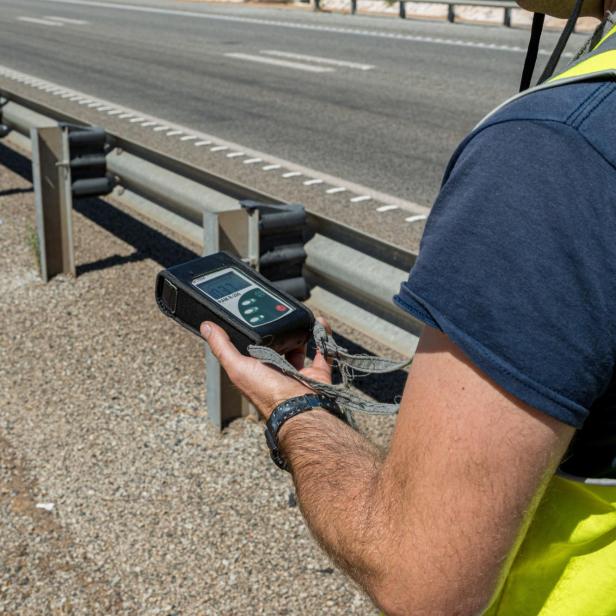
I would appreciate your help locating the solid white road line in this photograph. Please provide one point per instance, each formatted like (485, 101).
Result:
(41, 22)
(66, 20)
(317, 59)
(284, 63)
(302, 26)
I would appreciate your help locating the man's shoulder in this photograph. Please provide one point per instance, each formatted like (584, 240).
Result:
(583, 107)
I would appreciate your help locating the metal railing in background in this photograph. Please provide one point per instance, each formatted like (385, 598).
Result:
(506, 5)
(354, 275)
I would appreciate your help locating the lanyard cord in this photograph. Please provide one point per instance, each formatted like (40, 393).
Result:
(533, 51)
(562, 41)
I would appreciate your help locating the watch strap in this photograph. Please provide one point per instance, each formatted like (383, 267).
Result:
(290, 408)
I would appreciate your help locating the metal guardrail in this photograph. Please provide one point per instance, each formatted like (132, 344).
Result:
(354, 275)
(507, 5)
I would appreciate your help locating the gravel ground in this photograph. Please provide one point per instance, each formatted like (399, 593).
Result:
(102, 419)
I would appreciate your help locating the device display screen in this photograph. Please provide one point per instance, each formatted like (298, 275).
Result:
(242, 297)
(223, 285)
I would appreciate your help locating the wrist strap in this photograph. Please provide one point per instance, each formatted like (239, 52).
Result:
(291, 408)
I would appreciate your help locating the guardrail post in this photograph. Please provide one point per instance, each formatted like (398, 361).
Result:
(507, 18)
(402, 9)
(54, 202)
(237, 232)
(451, 13)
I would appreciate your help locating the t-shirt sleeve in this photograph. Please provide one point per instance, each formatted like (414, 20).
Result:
(517, 264)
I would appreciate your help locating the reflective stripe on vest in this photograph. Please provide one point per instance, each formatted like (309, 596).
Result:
(566, 565)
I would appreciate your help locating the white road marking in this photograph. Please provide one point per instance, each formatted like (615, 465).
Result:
(114, 112)
(137, 119)
(157, 128)
(318, 177)
(104, 108)
(66, 20)
(173, 133)
(386, 208)
(284, 63)
(291, 174)
(416, 218)
(188, 138)
(235, 154)
(317, 59)
(270, 167)
(333, 191)
(125, 115)
(40, 22)
(301, 26)
(360, 198)
(218, 148)
(252, 161)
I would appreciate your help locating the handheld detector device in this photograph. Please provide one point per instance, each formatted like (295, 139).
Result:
(222, 289)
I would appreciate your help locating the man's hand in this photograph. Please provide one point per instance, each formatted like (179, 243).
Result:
(264, 386)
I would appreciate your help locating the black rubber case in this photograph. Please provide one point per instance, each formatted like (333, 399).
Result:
(179, 299)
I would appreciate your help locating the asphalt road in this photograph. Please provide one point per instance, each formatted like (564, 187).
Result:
(384, 105)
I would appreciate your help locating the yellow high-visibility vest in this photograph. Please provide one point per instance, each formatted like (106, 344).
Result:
(566, 565)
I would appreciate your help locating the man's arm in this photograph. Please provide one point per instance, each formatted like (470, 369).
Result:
(432, 527)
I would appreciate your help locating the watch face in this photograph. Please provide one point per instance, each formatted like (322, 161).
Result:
(243, 297)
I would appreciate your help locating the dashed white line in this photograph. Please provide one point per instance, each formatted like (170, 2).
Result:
(252, 161)
(416, 218)
(202, 143)
(318, 59)
(173, 133)
(313, 182)
(125, 115)
(40, 22)
(148, 123)
(333, 191)
(66, 20)
(283, 63)
(219, 148)
(137, 119)
(360, 198)
(270, 167)
(234, 154)
(291, 174)
(386, 208)
(188, 138)
(158, 128)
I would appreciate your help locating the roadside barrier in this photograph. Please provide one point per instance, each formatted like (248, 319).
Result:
(353, 275)
(506, 5)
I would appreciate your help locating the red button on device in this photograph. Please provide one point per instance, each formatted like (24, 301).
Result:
(281, 308)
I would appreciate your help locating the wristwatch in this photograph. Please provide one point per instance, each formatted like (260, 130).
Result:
(291, 408)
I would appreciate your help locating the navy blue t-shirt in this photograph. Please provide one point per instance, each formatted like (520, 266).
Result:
(517, 264)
